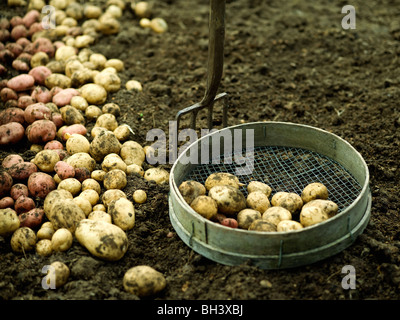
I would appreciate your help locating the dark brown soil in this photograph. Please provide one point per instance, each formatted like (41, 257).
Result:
(284, 61)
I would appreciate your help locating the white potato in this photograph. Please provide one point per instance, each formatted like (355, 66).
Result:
(143, 281)
(122, 212)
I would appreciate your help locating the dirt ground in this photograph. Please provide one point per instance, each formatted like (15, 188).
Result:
(284, 61)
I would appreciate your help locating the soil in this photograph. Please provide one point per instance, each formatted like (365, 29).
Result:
(284, 61)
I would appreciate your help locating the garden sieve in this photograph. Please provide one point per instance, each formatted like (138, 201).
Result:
(287, 157)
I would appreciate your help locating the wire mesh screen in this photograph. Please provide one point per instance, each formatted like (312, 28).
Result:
(287, 169)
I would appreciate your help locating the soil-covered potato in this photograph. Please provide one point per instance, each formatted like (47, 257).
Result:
(77, 143)
(262, 225)
(312, 215)
(259, 186)
(102, 239)
(258, 200)
(65, 213)
(132, 153)
(327, 206)
(61, 240)
(190, 190)
(288, 200)
(288, 225)
(115, 179)
(122, 212)
(6, 182)
(159, 175)
(23, 240)
(143, 281)
(81, 160)
(43, 247)
(70, 184)
(40, 184)
(139, 196)
(314, 191)
(222, 179)
(32, 218)
(246, 217)
(9, 222)
(275, 215)
(45, 160)
(205, 206)
(113, 161)
(91, 195)
(110, 195)
(61, 273)
(100, 215)
(230, 200)
(103, 144)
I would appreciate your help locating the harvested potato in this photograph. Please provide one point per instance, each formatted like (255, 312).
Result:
(122, 213)
(40, 184)
(79, 103)
(139, 196)
(62, 240)
(143, 281)
(72, 115)
(100, 207)
(122, 132)
(84, 204)
(77, 143)
(288, 200)
(327, 206)
(6, 182)
(22, 171)
(41, 131)
(133, 85)
(9, 222)
(262, 225)
(61, 273)
(314, 191)
(113, 161)
(312, 215)
(98, 175)
(100, 215)
(190, 190)
(92, 112)
(102, 239)
(45, 233)
(107, 121)
(53, 197)
(103, 144)
(159, 175)
(259, 186)
(11, 132)
(205, 206)
(81, 160)
(24, 204)
(91, 195)
(23, 240)
(70, 184)
(158, 25)
(230, 200)
(93, 93)
(109, 81)
(6, 202)
(64, 170)
(134, 168)
(46, 160)
(258, 200)
(43, 247)
(132, 153)
(115, 179)
(221, 179)
(246, 217)
(91, 184)
(66, 131)
(288, 225)
(230, 222)
(10, 160)
(65, 213)
(112, 194)
(275, 215)
(57, 80)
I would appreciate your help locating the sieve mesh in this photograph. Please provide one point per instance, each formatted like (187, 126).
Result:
(287, 169)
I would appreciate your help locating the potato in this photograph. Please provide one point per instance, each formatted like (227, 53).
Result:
(10, 160)
(191, 190)
(109, 81)
(77, 143)
(205, 206)
(288, 200)
(64, 97)
(39, 59)
(122, 132)
(43, 248)
(71, 115)
(24, 204)
(108, 25)
(91, 184)
(46, 160)
(113, 161)
(314, 191)
(53, 145)
(9, 222)
(61, 273)
(159, 175)
(22, 171)
(41, 131)
(45, 233)
(91, 195)
(132, 153)
(100, 215)
(222, 179)
(230, 222)
(12, 114)
(134, 168)
(107, 121)
(81, 160)
(158, 25)
(112, 194)
(84, 204)
(115, 179)
(65, 213)
(70, 184)
(98, 175)
(327, 206)
(246, 217)
(99, 207)
(21, 82)
(61, 240)
(262, 225)
(6, 202)
(57, 80)
(11, 132)
(288, 225)
(23, 240)
(312, 215)
(65, 52)
(143, 281)
(122, 213)
(117, 64)
(77, 128)
(230, 200)
(93, 93)
(6, 182)
(133, 85)
(276, 214)
(40, 184)
(139, 196)
(104, 144)
(258, 200)
(93, 112)
(259, 186)
(64, 170)
(53, 197)
(102, 239)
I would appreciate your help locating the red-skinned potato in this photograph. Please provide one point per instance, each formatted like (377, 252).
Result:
(6, 202)
(32, 218)
(81, 174)
(22, 170)
(41, 131)
(12, 115)
(11, 132)
(53, 144)
(41, 94)
(40, 74)
(6, 182)
(22, 82)
(74, 128)
(24, 101)
(19, 189)
(64, 170)
(11, 159)
(24, 204)
(40, 184)
(8, 94)
(230, 222)
(37, 111)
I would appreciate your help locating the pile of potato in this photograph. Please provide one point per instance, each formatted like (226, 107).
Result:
(220, 200)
